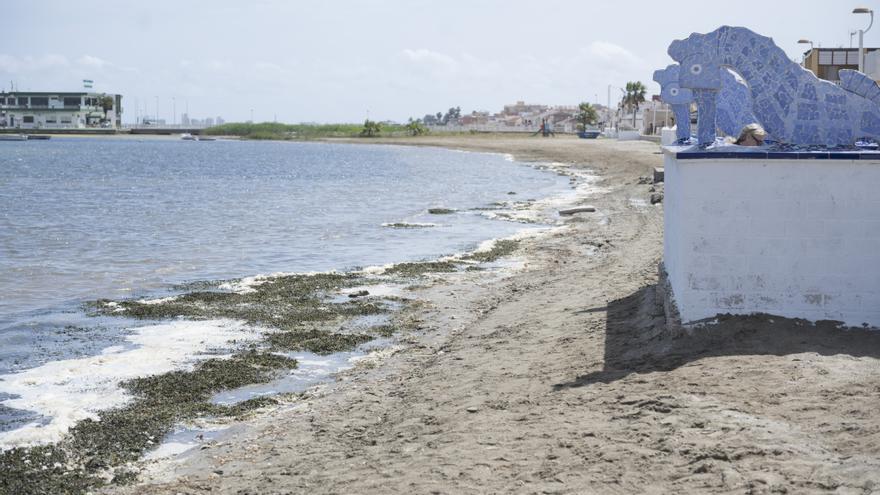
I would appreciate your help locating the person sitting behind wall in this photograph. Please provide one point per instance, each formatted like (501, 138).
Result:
(751, 135)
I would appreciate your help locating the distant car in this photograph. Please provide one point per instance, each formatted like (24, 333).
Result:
(105, 125)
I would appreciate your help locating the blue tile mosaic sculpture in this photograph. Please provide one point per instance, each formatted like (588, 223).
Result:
(678, 98)
(790, 102)
(734, 105)
(733, 102)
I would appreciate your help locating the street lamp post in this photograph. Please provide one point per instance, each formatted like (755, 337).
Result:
(610, 115)
(157, 112)
(173, 111)
(863, 10)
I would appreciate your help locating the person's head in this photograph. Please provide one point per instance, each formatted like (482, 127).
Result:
(751, 135)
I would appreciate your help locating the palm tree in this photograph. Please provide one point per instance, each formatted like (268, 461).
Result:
(635, 94)
(587, 115)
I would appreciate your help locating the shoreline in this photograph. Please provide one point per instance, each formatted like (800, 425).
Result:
(550, 162)
(487, 251)
(561, 378)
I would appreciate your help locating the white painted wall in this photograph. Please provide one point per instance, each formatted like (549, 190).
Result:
(667, 135)
(795, 238)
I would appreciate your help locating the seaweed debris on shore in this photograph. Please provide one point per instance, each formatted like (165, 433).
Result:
(441, 211)
(298, 314)
(499, 249)
(95, 451)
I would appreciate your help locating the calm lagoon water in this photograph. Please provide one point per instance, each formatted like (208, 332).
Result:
(82, 219)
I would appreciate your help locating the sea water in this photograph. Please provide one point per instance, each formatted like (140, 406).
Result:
(89, 218)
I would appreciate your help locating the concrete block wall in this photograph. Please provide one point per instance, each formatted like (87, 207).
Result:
(796, 238)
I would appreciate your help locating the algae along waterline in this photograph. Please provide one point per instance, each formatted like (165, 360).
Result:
(128, 301)
(317, 313)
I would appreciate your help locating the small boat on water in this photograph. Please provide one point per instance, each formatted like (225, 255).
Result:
(13, 137)
(38, 137)
(189, 137)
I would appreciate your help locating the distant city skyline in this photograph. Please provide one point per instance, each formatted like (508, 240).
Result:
(344, 61)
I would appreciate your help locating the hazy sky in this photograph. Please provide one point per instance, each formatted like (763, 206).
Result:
(335, 61)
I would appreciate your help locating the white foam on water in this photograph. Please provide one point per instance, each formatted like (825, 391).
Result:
(540, 211)
(246, 285)
(72, 390)
(113, 305)
(409, 225)
(151, 302)
(489, 244)
(377, 269)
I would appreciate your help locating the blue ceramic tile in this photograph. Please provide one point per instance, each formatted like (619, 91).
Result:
(694, 155)
(790, 102)
(753, 155)
(729, 154)
(839, 155)
(812, 155)
(777, 155)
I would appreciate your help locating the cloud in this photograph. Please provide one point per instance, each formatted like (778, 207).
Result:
(268, 67)
(15, 65)
(611, 56)
(92, 62)
(434, 62)
(217, 65)
(609, 51)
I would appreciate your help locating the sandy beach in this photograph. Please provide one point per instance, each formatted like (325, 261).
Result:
(559, 376)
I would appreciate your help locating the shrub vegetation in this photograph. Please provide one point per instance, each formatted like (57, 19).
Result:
(278, 131)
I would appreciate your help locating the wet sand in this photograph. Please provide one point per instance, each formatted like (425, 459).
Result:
(560, 377)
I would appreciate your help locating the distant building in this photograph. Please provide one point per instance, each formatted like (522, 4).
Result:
(872, 65)
(521, 108)
(475, 118)
(40, 110)
(220, 121)
(827, 62)
(655, 116)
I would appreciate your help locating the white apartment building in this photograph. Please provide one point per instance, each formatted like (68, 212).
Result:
(54, 110)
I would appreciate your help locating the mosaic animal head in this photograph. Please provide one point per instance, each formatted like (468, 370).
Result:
(670, 91)
(699, 60)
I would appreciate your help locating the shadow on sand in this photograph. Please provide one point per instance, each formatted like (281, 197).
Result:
(637, 340)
